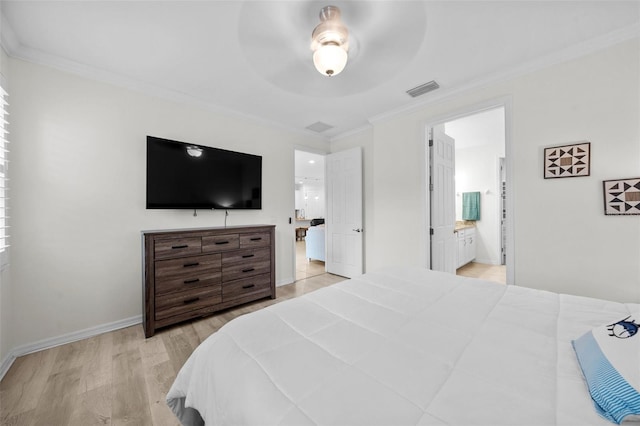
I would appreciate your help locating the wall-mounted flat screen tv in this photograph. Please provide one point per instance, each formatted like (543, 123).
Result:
(187, 176)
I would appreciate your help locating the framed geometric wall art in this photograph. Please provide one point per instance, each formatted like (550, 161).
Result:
(567, 161)
(621, 196)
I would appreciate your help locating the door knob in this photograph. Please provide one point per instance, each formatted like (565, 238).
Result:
(358, 229)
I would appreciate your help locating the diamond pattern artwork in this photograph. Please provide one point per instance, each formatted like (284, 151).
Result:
(622, 196)
(567, 161)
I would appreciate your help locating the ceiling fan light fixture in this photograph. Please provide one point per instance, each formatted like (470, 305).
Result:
(330, 42)
(330, 59)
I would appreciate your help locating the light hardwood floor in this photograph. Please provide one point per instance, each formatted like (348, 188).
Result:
(306, 268)
(115, 378)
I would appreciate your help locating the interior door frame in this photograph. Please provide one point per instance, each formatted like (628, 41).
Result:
(505, 102)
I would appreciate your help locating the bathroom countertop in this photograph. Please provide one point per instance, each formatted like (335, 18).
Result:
(462, 225)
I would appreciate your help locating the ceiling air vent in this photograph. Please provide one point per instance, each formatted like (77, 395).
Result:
(319, 127)
(423, 88)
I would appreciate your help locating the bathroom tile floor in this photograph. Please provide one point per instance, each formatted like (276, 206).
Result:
(497, 273)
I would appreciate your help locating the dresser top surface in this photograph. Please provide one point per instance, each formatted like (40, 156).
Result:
(212, 228)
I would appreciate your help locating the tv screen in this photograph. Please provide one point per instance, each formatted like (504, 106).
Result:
(188, 176)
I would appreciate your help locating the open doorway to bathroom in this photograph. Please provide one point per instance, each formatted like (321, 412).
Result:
(310, 205)
(480, 194)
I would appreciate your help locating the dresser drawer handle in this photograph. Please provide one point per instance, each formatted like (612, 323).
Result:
(256, 239)
(192, 281)
(248, 286)
(180, 247)
(192, 300)
(249, 270)
(188, 265)
(219, 243)
(247, 256)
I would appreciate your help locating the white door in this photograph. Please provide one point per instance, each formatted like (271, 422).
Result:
(343, 225)
(442, 202)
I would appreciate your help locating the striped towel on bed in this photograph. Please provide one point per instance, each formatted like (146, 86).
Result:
(609, 358)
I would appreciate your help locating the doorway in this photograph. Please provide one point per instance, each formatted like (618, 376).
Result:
(310, 207)
(480, 237)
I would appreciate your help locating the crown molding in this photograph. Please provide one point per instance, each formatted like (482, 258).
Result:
(15, 49)
(119, 80)
(351, 132)
(8, 39)
(576, 51)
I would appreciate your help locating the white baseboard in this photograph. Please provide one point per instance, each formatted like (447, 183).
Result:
(6, 364)
(64, 339)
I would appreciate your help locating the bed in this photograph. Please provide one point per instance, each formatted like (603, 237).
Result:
(400, 346)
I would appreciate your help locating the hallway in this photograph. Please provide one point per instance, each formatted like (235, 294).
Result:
(306, 268)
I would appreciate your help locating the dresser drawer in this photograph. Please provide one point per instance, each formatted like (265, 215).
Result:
(179, 303)
(188, 282)
(233, 268)
(175, 247)
(219, 243)
(247, 287)
(259, 239)
(246, 257)
(187, 266)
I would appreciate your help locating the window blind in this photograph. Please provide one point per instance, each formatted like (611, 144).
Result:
(4, 150)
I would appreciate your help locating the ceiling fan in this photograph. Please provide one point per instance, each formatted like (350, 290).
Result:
(330, 42)
(275, 38)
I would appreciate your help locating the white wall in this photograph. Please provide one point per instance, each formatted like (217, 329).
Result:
(78, 185)
(399, 193)
(563, 241)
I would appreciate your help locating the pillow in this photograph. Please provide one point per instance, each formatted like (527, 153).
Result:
(609, 357)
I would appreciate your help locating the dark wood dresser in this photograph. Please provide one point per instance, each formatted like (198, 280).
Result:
(191, 273)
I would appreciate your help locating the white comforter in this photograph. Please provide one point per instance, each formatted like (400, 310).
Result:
(398, 347)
